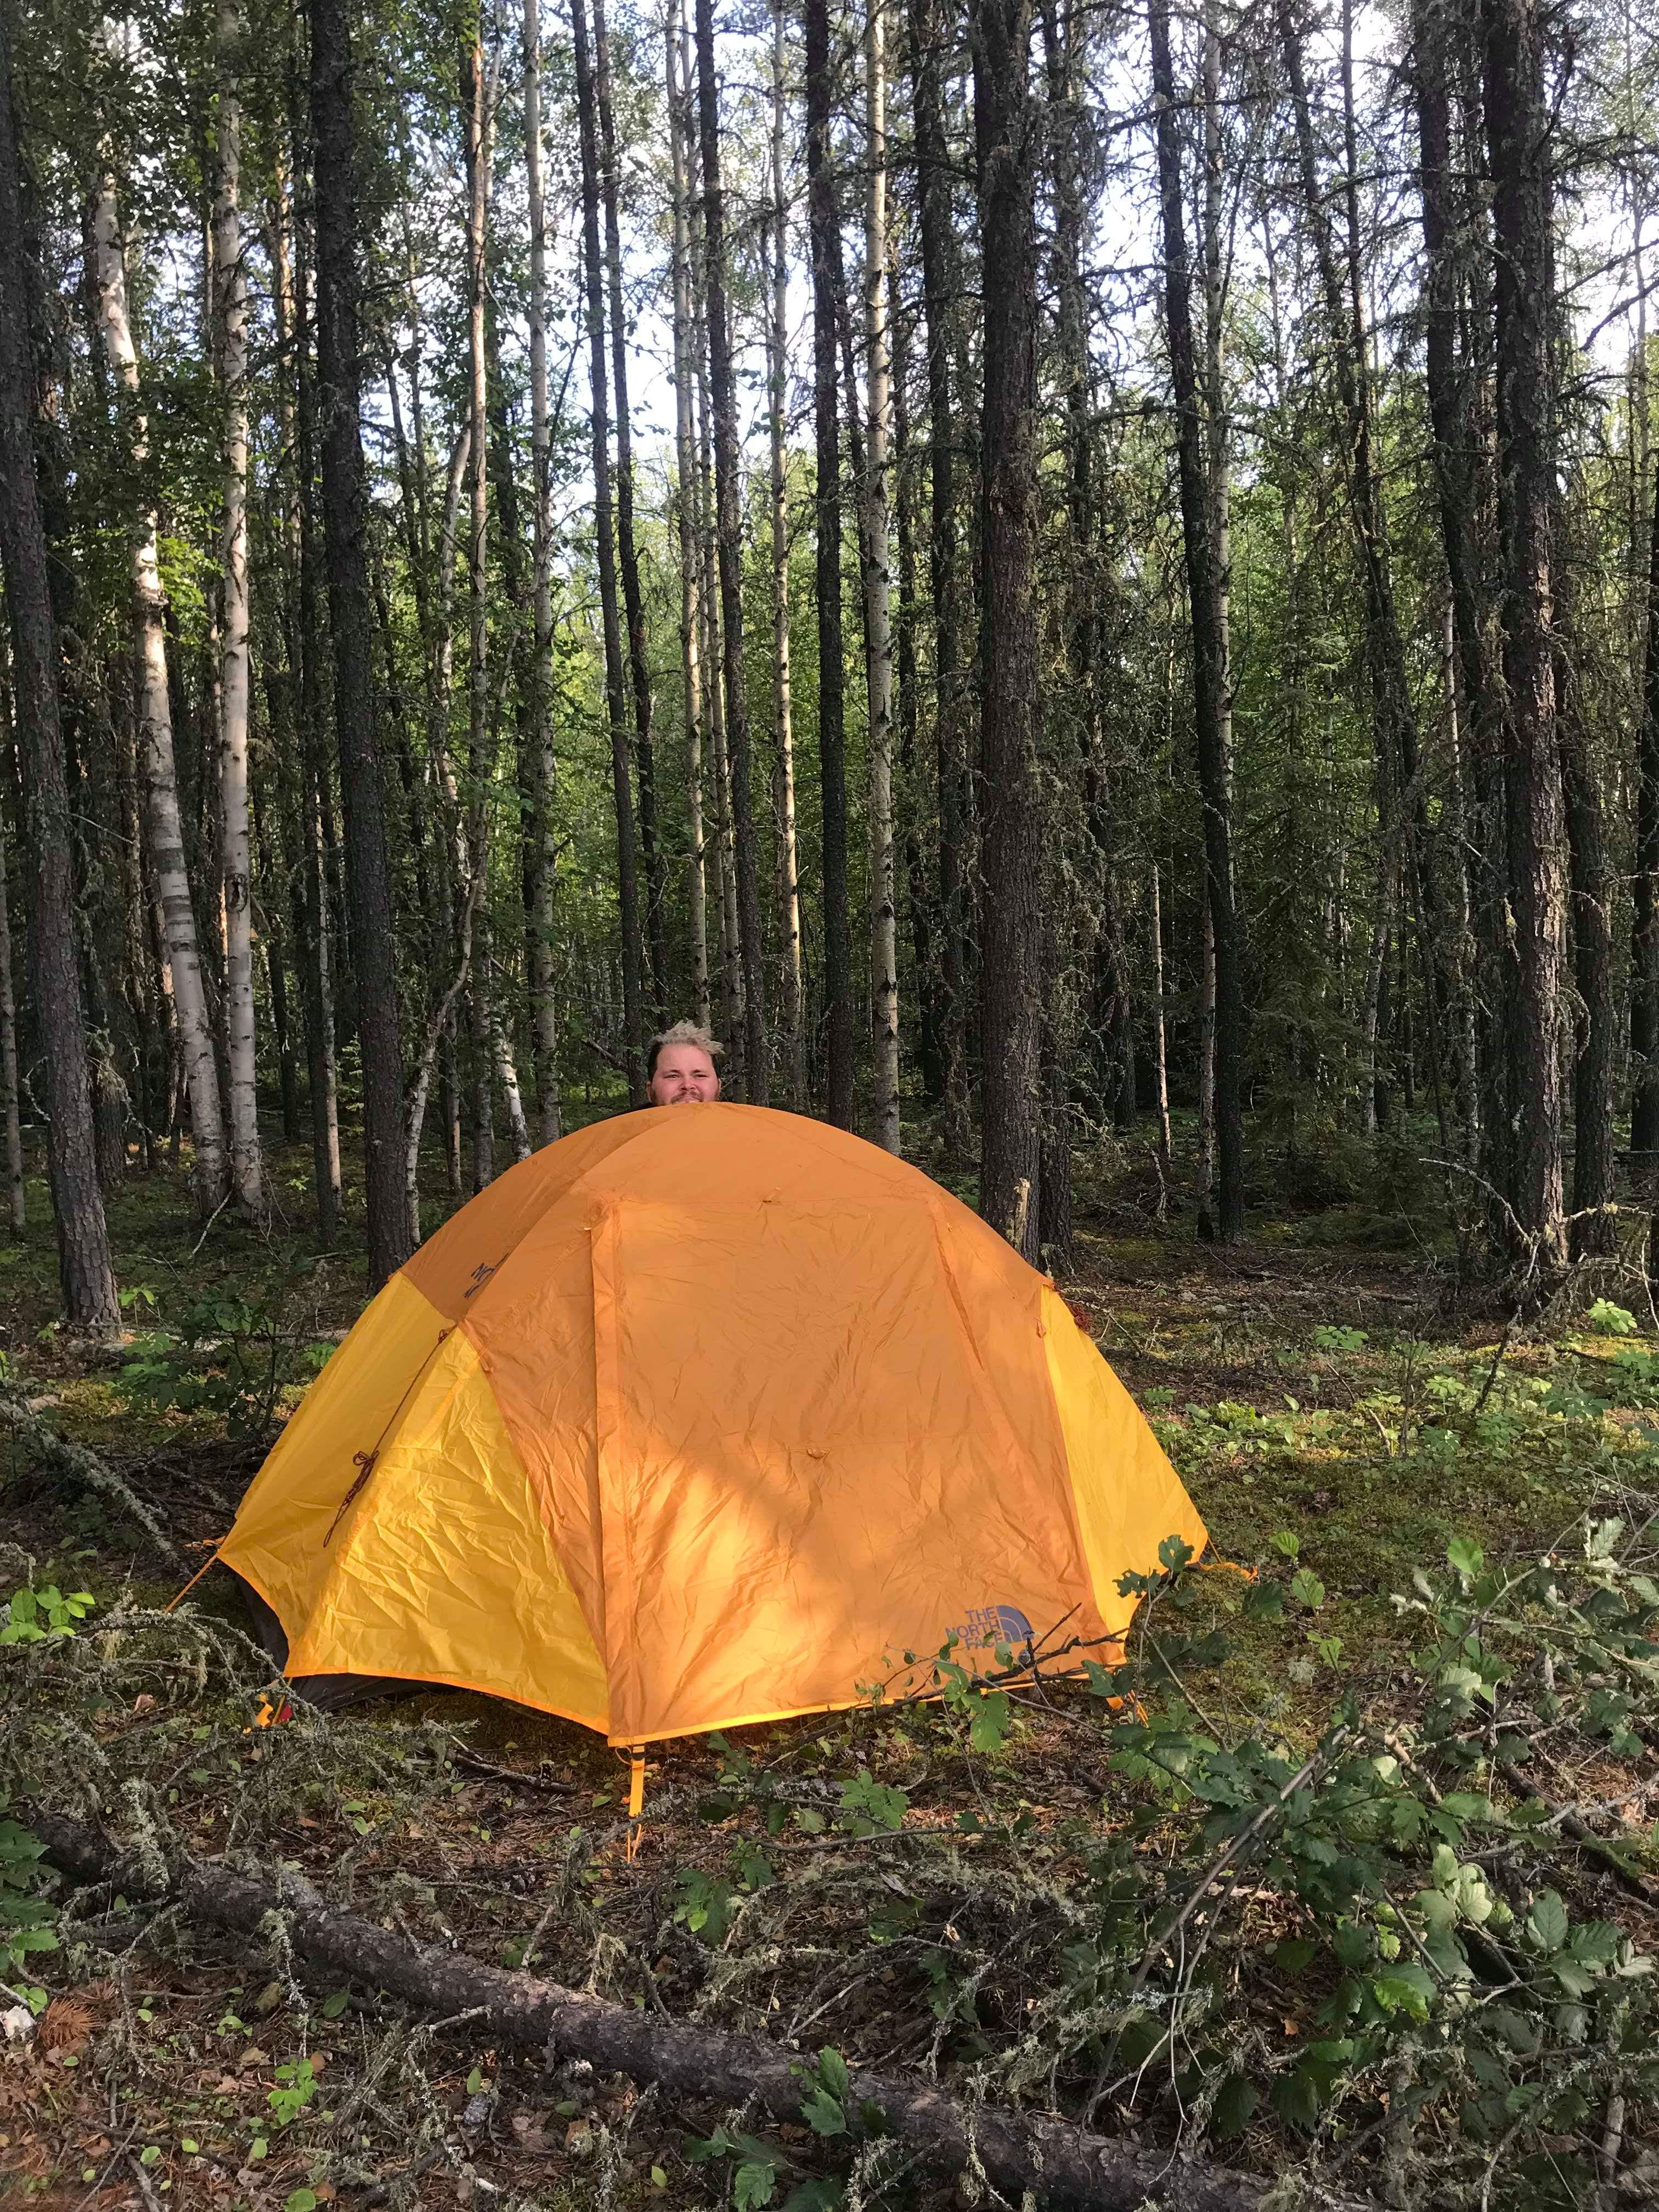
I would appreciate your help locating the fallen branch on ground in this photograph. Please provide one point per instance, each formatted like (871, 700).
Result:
(82, 1464)
(1064, 2168)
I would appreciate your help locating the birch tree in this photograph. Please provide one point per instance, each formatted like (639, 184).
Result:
(230, 317)
(109, 259)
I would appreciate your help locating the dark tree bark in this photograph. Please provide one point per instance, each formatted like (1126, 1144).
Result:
(1644, 996)
(351, 623)
(1595, 1224)
(1208, 654)
(656, 891)
(83, 1256)
(729, 538)
(1006, 120)
(940, 285)
(628, 886)
(1458, 467)
(823, 231)
(1517, 132)
(302, 762)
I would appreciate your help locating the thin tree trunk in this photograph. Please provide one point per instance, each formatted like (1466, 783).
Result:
(1595, 1224)
(1459, 462)
(476, 87)
(1160, 1047)
(884, 889)
(156, 725)
(8, 1085)
(542, 853)
(1644, 1023)
(614, 689)
(725, 862)
(783, 735)
(940, 287)
(729, 538)
(656, 895)
(823, 231)
(686, 506)
(345, 521)
(421, 1081)
(84, 1257)
(1519, 129)
(308, 649)
(1209, 662)
(231, 313)
(1006, 128)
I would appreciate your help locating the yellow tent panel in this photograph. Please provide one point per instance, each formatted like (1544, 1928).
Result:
(706, 1415)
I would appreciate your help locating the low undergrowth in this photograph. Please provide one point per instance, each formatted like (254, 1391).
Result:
(1347, 1873)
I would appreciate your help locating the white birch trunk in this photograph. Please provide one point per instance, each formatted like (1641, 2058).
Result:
(884, 905)
(506, 1075)
(686, 458)
(782, 715)
(543, 999)
(200, 1071)
(230, 324)
(421, 1087)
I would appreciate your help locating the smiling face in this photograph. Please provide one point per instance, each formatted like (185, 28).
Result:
(684, 1075)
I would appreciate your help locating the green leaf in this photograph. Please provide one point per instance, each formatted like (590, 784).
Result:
(1307, 1588)
(658, 2178)
(1408, 1989)
(301, 2200)
(334, 2004)
(824, 2114)
(1547, 1924)
(1609, 1320)
(832, 2072)
(754, 2185)
(1466, 1555)
(1295, 1954)
(868, 1805)
(1296, 2098)
(988, 1725)
(1236, 2100)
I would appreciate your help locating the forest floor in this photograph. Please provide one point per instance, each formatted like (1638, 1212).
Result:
(1429, 1977)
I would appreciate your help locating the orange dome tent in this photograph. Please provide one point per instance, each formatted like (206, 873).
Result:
(702, 1416)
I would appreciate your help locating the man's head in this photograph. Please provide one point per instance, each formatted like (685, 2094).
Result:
(680, 1068)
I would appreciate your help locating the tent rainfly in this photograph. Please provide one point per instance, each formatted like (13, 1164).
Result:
(704, 1415)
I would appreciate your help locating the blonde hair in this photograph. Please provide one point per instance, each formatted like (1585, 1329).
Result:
(692, 1033)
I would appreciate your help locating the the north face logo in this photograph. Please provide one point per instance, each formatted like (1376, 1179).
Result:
(987, 1626)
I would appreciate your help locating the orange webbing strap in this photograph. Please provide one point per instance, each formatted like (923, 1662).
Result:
(636, 1800)
(211, 1560)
